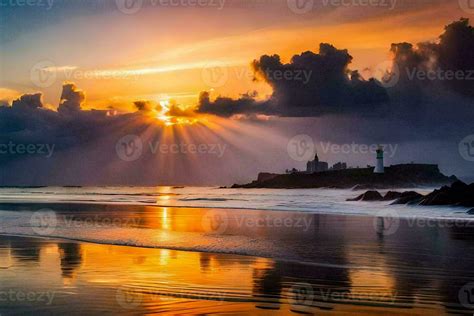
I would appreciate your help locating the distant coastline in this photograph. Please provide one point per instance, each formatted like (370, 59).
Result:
(395, 176)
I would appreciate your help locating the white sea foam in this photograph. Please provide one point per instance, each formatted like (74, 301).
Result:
(326, 201)
(321, 201)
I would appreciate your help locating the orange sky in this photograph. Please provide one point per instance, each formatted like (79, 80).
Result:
(170, 54)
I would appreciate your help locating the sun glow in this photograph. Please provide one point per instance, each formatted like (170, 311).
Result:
(169, 120)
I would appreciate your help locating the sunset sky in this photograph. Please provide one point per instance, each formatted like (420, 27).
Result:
(160, 52)
(98, 54)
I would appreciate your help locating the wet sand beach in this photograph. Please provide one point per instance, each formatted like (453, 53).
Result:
(253, 263)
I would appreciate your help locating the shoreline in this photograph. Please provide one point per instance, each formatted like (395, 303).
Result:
(399, 210)
(73, 274)
(254, 233)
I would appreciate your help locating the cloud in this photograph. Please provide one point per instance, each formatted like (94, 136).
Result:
(448, 63)
(176, 110)
(320, 84)
(71, 99)
(227, 107)
(310, 85)
(314, 93)
(147, 106)
(28, 101)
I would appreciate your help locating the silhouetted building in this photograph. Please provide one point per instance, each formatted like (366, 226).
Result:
(339, 166)
(316, 165)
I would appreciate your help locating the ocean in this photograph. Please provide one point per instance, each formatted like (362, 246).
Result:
(190, 250)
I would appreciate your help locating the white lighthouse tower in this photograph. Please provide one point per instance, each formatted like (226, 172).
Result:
(379, 166)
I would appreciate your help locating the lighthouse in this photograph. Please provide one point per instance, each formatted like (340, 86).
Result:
(379, 166)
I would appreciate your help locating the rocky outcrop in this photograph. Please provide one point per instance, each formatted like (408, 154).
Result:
(392, 195)
(399, 197)
(368, 196)
(409, 197)
(458, 194)
(407, 175)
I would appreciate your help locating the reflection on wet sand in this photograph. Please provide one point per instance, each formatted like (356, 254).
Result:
(348, 266)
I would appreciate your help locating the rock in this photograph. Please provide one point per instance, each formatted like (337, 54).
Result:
(409, 197)
(459, 185)
(368, 196)
(392, 195)
(459, 194)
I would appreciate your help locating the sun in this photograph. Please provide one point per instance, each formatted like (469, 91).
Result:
(170, 120)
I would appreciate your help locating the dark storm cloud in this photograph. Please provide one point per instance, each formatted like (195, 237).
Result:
(333, 89)
(448, 63)
(227, 107)
(28, 101)
(71, 99)
(331, 102)
(310, 85)
(27, 121)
